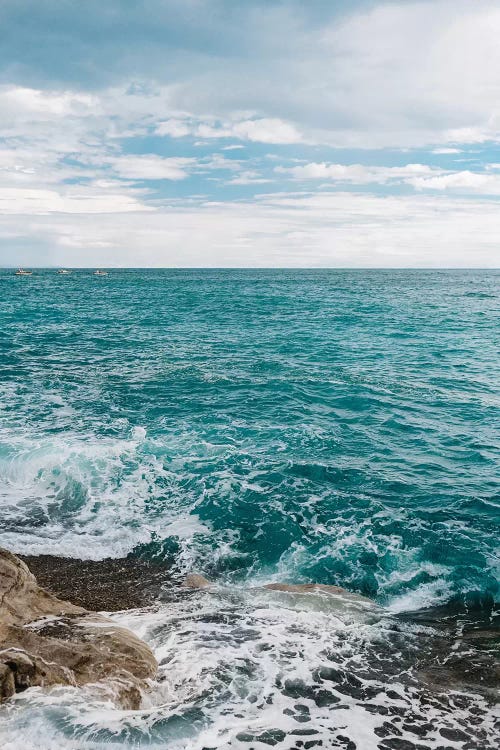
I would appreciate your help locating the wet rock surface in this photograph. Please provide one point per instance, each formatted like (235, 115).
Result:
(47, 641)
(460, 648)
(372, 687)
(110, 584)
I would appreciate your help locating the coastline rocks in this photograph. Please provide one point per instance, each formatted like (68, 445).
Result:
(21, 598)
(197, 581)
(46, 641)
(313, 597)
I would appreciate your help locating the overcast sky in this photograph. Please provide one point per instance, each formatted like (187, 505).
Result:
(250, 133)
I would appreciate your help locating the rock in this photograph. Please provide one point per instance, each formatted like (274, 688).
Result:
(305, 588)
(46, 641)
(112, 584)
(7, 684)
(321, 588)
(196, 581)
(21, 598)
(22, 667)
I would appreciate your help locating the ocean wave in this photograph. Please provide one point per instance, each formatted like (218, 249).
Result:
(89, 497)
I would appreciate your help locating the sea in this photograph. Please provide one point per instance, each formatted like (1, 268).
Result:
(339, 426)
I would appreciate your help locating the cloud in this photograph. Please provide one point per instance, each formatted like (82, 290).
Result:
(350, 74)
(358, 174)
(32, 202)
(22, 103)
(147, 100)
(220, 162)
(266, 130)
(174, 128)
(151, 167)
(248, 177)
(285, 229)
(259, 130)
(419, 176)
(471, 182)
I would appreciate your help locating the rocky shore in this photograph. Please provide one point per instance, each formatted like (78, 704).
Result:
(441, 662)
(45, 641)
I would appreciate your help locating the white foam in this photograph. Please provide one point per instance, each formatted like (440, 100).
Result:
(95, 496)
(226, 658)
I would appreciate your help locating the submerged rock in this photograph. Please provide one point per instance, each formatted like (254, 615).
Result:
(312, 588)
(309, 596)
(46, 641)
(304, 588)
(335, 595)
(196, 581)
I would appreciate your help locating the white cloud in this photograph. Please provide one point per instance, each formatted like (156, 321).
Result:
(419, 176)
(32, 202)
(486, 184)
(301, 230)
(258, 130)
(266, 130)
(151, 167)
(358, 174)
(219, 161)
(415, 73)
(248, 177)
(174, 128)
(23, 104)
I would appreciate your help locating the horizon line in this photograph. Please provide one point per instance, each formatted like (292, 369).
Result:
(253, 268)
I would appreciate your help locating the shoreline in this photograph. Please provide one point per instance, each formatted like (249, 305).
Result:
(440, 665)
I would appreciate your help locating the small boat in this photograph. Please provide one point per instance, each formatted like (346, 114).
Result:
(100, 273)
(64, 271)
(23, 272)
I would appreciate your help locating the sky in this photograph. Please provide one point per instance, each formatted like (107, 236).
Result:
(235, 133)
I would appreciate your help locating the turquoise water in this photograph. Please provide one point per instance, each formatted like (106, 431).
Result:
(327, 425)
(332, 426)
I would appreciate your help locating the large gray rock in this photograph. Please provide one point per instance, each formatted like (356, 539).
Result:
(46, 641)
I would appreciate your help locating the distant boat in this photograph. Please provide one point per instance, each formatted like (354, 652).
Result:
(64, 271)
(100, 273)
(23, 272)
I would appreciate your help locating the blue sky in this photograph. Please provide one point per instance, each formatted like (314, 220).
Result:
(257, 133)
